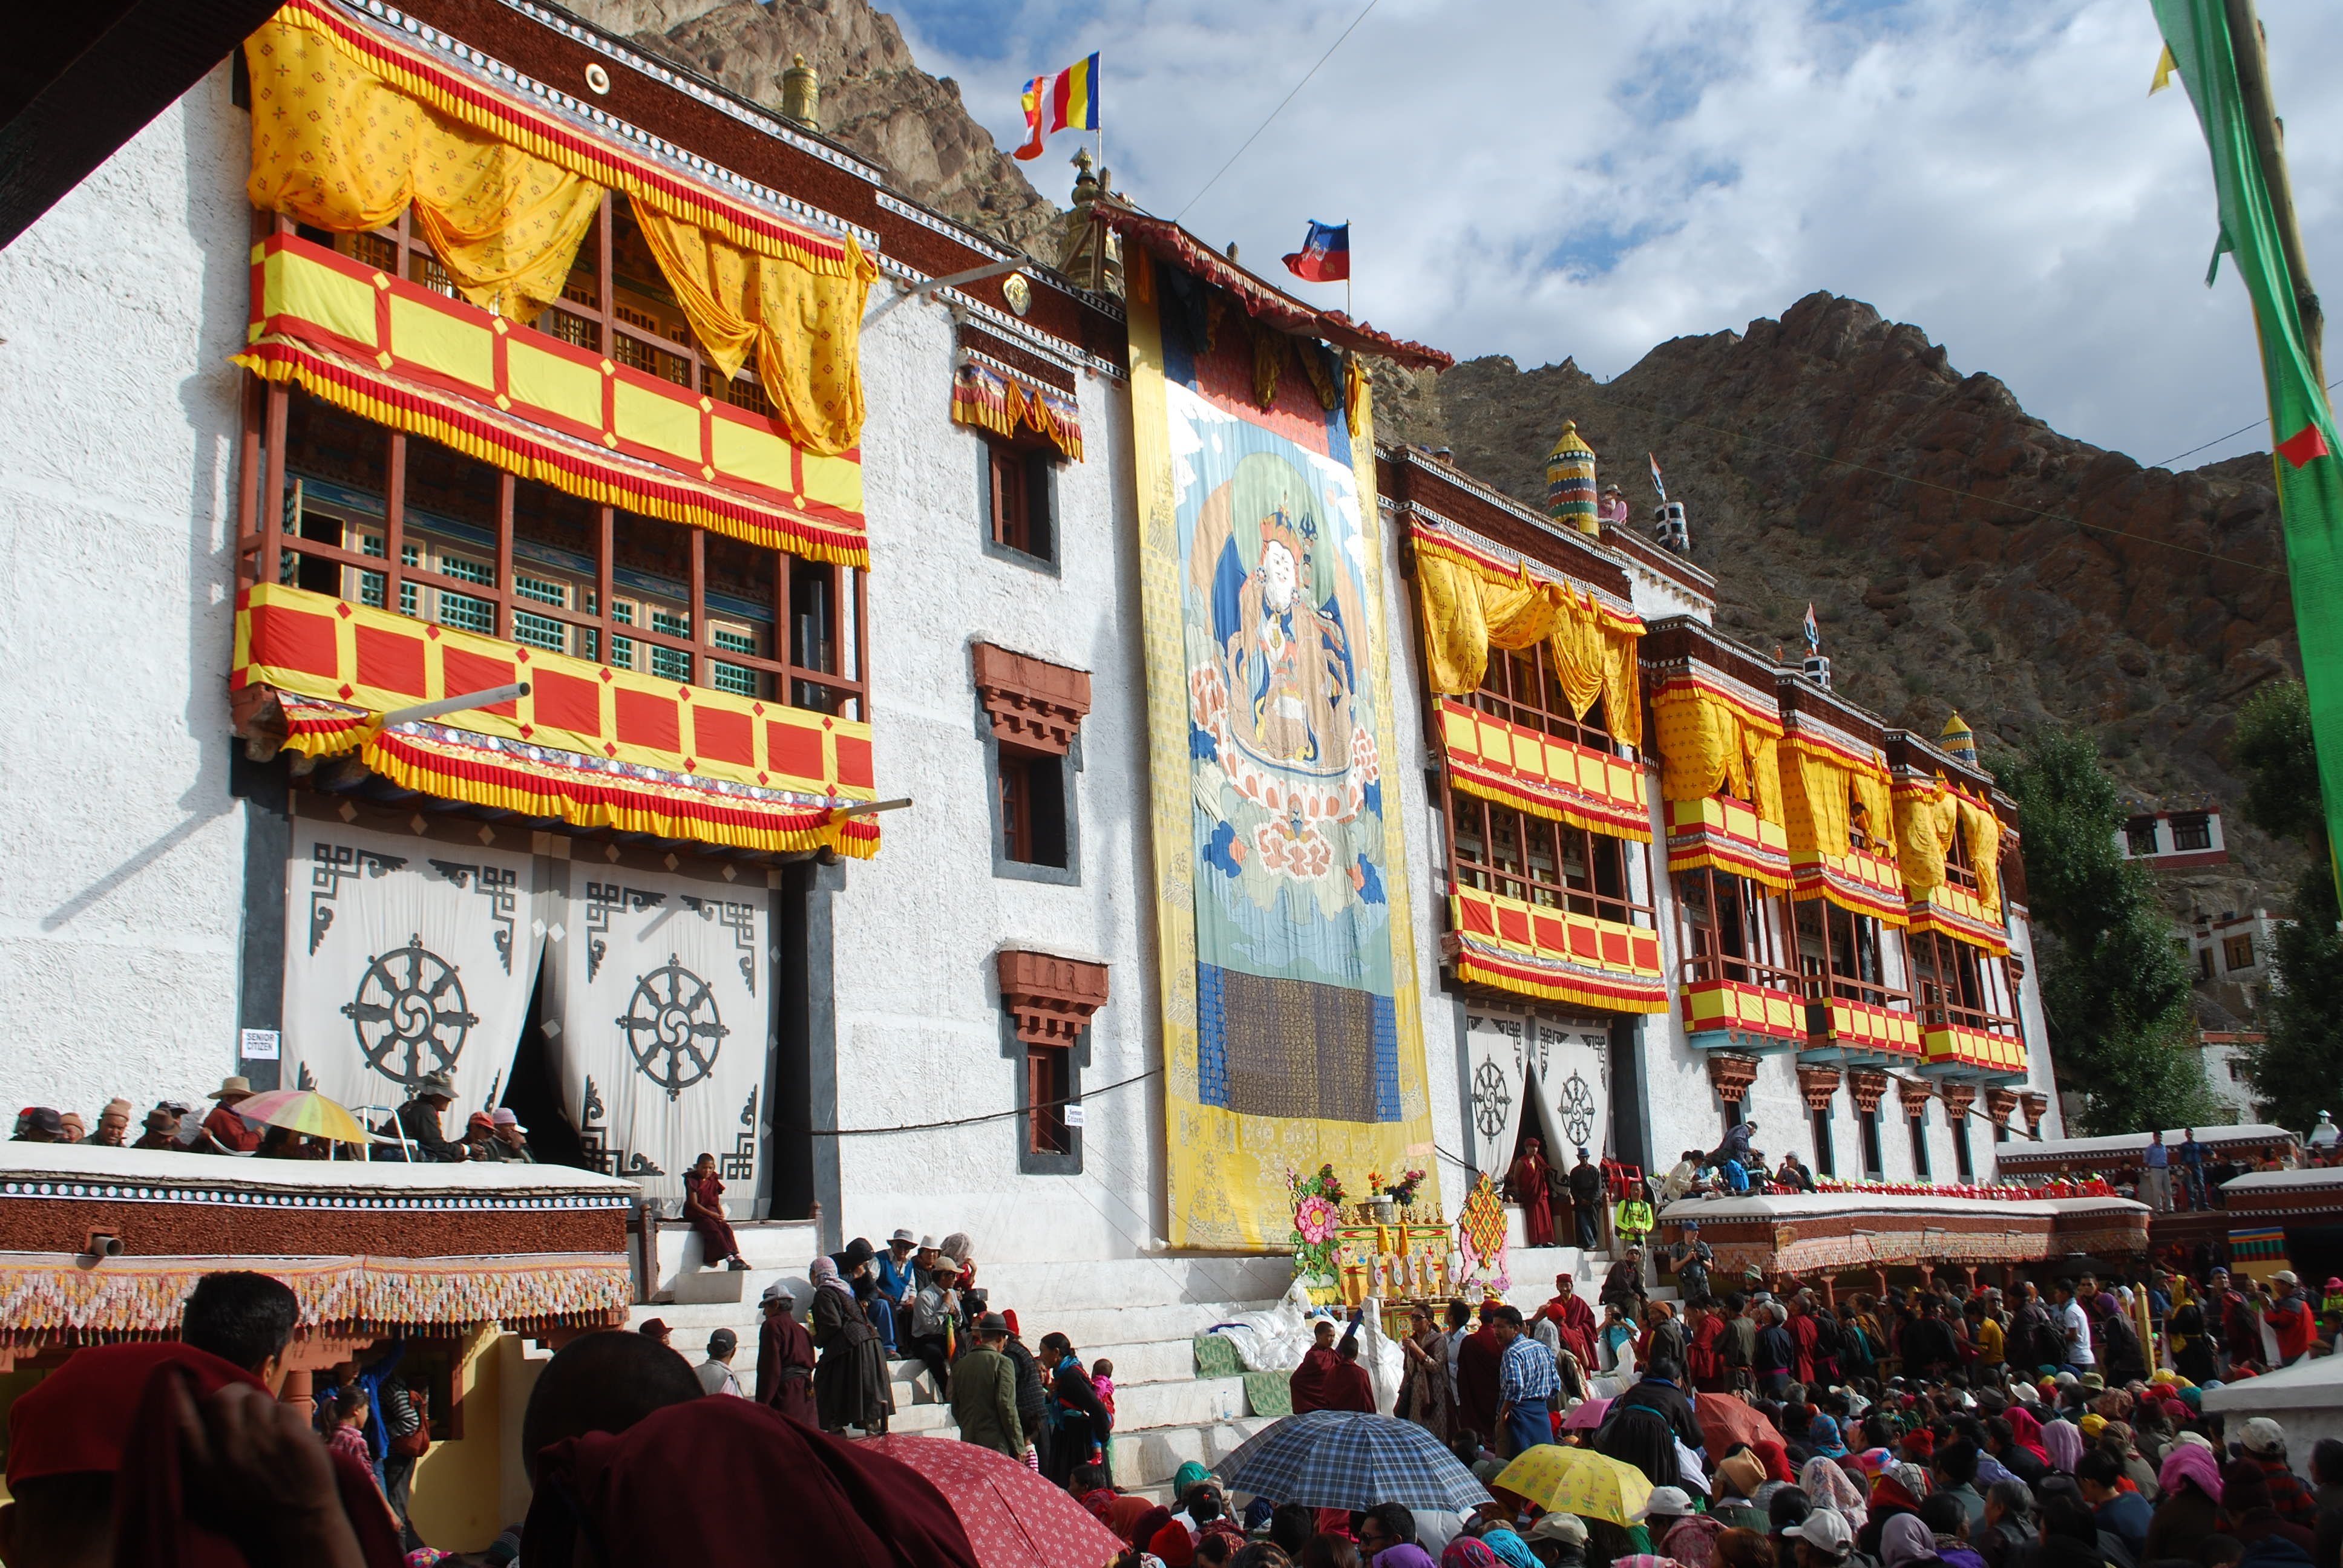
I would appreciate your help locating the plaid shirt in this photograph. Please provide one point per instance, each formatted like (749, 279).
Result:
(1526, 1372)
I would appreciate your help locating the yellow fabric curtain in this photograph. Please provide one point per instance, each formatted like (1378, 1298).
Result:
(1827, 797)
(1467, 611)
(806, 327)
(1924, 823)
(1981, 837)
(1708, 744)
(338, 148)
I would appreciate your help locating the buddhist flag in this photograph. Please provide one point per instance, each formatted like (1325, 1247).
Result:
(1068, 100)
(1657, 483)
(1814, 633)
(1325, 254)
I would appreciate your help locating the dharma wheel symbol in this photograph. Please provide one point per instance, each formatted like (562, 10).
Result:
(409, 1013)
(668, 1020)
(1492, 1102)
(1576, 1109)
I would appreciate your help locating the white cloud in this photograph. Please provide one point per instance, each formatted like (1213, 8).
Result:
(1552, 179)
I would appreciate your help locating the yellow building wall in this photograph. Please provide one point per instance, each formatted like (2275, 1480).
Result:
(461, 1498)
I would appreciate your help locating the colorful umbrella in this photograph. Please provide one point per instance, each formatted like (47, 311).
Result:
(1347, 1459)
(1576, 1481)
(1585, 1415)
(1013, 1517)
(1725, 1420)
(303, 1110)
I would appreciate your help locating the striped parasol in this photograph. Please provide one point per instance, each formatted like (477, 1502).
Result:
(304, 1110)
(1347, 1459)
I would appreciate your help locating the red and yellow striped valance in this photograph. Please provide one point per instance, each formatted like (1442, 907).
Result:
(1993, 1055)
(1738, 1008)
(1554, 954)
(1720, 774)
(1867, 1026)
(1472, 601)
(1544, 774)
(411, 357)
(1928, 813)
(993, 398)
(352, 125)
(592, 746)
(1719, 834)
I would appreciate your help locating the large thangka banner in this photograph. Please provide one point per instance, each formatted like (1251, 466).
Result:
(406, 955)
(1292, 1036)
(664, 988)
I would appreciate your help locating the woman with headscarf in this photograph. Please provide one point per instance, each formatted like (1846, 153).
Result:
(1079, 1420)
(1830, 1486)
(1906, 1543)
(1468, 1552)
(1824, 1437)
(2191, 1509)
(850, 1381)
(2062, 1444)
(2026, 1431)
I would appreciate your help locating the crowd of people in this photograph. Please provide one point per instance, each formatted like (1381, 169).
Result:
(413, 1131)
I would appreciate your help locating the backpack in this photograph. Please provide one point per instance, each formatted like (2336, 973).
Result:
(415, 1443)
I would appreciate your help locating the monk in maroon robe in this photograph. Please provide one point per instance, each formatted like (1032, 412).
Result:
(1315, 1381)
(1350, 1388)
(1574, 1322)
(1526, 1184)
(1477, 1381)
(785, 1360)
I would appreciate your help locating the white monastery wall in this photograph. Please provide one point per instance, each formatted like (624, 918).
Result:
(121, 850)
(919, 1028)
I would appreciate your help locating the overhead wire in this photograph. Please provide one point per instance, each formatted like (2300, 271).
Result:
(1602, 396)
(1275, 111)
(2216, 440)
(993, 1116)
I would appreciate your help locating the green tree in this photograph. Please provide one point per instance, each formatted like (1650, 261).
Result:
(2114, 986)
(2297, 1070)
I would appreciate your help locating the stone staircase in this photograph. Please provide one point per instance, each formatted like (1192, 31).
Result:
(1141, 1313)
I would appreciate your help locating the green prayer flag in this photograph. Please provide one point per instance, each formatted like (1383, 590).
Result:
(2302, 422)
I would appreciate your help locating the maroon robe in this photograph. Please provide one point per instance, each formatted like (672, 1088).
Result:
(1315, 1381)
(1349, 1388)
(1526, 1184)
(785, 1368)
(1476, 1383)
(1574, 1322)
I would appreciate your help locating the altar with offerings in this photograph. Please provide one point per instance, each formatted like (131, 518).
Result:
(1386, 1246)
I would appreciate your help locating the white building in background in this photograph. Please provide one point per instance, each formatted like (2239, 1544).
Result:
(2175, 840)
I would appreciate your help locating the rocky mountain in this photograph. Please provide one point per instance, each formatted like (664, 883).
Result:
(874, 98)
(1958, 552)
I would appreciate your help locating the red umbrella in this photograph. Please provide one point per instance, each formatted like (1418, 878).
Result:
(1013, 1517)
(1727, 1421)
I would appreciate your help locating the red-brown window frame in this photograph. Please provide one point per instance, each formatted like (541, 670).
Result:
(262, 540)
(1762, 919)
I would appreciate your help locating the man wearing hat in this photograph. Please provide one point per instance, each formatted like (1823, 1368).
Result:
(1822, 1539)
(715, 1373)
(984, 1391)
(2290, 1318)
(418, 1119)
(1565, 1533)
(1691, 1258)
(785, 1357)
(114, 1124)
(162, 1126)
(39, 1124)
(512, 1144)
(898, 1283)
(230, 1132)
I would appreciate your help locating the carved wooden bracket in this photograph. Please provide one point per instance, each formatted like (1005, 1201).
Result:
(1817, 1086)
(1998, 1104)
(1958, 1097)
(2035, 1105)
(1868, 1089)
(1032, 703)
(1731, 1074)
(1915, 1094)
(1050, 998)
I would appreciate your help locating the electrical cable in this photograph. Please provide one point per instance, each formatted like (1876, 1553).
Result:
(1275, 111)
(1602, 397)
(2218, 439)
(977, 1121)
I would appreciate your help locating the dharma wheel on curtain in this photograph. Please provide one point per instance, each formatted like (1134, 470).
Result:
(1570, 482)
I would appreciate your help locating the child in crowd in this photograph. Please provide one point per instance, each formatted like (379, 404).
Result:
(1103, 1379)
(348, 1436)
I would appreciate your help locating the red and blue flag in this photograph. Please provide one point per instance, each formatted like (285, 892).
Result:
(1325, 254)
(1066, 100)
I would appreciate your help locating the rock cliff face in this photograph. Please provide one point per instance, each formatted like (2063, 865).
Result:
(874, 98)
(1958, 552)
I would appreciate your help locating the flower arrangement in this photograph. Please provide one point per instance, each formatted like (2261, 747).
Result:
(1317, 1210)
(1404, 1191)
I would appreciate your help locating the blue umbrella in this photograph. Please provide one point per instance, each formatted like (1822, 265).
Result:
(1347, 1458)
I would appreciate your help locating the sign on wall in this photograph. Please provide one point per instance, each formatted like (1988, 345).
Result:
(406, 955)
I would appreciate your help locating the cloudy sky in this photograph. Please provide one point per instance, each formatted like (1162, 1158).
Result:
(1551, 178)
